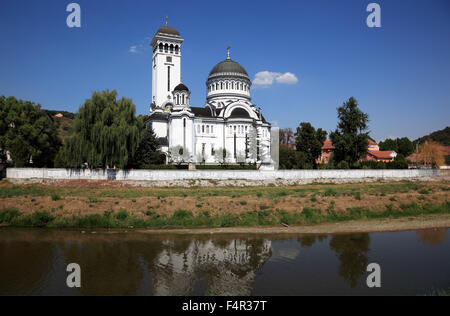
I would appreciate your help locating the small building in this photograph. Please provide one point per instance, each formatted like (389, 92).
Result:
(373, 152)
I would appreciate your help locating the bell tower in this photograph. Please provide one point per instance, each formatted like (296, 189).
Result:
(166, 65)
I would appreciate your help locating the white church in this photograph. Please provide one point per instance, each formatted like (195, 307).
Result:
(229, 128)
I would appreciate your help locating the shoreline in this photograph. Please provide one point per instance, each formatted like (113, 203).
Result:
(349, 227)
(413, 223)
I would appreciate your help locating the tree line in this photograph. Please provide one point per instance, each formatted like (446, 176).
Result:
(105, 134)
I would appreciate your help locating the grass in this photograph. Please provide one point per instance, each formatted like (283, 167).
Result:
(186, 219)
(271, 192)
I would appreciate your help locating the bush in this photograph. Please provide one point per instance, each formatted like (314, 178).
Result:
(55, 197)
(7, 215)
(121, 215)
(343, 165)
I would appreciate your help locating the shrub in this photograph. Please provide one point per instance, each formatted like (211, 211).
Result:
(121, 215)
(55, 197)
(7, 215)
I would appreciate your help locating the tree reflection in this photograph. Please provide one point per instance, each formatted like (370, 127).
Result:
(433, 237)
(352, 253)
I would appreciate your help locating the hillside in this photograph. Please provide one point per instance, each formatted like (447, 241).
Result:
(442, 137)
(64, 122)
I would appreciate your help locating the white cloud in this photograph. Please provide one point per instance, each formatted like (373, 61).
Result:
(288, 78)
(133, 49)
(266, 78)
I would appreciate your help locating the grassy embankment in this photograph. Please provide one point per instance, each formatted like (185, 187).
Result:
(117, 207)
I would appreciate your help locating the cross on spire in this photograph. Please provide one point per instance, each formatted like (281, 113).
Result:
(228, 52)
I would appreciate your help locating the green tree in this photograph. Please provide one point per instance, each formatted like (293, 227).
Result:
(147, 152)
(350, 138)
(106, 133)
(400, 145)
(309, 142)
(27, 133)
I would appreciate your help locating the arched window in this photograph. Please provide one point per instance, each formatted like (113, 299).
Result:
(221, 86)
(171, 49)
(160, 47)
(183, 99)
(166, 48)
(207, 129)
(176, 49)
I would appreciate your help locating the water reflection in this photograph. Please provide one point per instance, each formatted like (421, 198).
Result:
(34, 262)
(352, 252)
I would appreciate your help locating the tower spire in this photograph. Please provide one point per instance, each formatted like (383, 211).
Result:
(228, 52)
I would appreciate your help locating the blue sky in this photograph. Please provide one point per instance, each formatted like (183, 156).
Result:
(399, 73)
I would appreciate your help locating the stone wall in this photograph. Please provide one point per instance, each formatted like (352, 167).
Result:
(249, 175)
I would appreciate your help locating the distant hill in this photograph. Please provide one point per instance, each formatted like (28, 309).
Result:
(65, 122)
(442, 137)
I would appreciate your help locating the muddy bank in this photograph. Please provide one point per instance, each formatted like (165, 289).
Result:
(360, 226)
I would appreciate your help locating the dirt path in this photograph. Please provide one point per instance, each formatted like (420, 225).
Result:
(366, 226)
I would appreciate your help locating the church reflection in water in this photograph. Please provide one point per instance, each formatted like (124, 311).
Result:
(115, 263)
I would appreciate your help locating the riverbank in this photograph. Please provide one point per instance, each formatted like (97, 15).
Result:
(84, 205)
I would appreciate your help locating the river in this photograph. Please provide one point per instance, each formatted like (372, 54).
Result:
(34, 261)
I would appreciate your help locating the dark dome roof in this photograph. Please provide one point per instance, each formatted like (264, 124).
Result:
(168, 30)
(240, 113)
(228, 65)
(181, 87)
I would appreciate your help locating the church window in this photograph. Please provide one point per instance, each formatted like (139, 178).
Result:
(221, 85)
(160, 47)
(246, 128)
(235, 129)
(176, 49)
(212, 129)
(166, 48)
(171, 49)
(203, 128)
(207, 129)
(169, 59)
(168, 78)
(183, 99)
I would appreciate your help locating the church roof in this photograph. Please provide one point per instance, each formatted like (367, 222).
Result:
(228, 66)
(165, 29)
(204, 112)
(181, 87)
(161, 116)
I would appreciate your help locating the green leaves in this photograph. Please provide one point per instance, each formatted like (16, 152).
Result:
(27, 133)
(106, 133)
(350, 139)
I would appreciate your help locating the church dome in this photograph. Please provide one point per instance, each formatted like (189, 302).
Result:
(181, 87)
(165, 29)
(226, 67)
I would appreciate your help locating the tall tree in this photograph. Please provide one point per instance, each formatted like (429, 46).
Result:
(309, 142)
(350, 138)
(27, 133)
(106, 132)
(402, 145)
(147, 152)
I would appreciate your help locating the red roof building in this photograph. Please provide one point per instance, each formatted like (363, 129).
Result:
(373, 152)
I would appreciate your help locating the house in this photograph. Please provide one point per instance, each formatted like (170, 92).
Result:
(373, 152)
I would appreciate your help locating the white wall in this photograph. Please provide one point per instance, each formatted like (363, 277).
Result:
(154, 175)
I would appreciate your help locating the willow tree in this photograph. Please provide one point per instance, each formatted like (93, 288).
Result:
(106, 133)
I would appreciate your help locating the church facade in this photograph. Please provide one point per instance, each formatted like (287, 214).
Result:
(229, 128)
